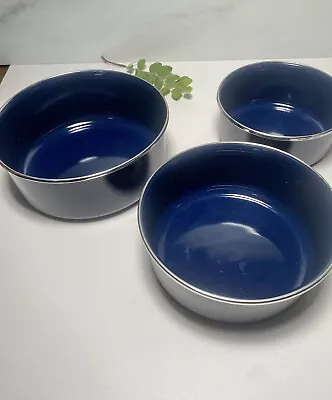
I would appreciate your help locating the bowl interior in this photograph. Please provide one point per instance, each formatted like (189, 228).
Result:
(79, 124)
(279, 98)
(239, 220)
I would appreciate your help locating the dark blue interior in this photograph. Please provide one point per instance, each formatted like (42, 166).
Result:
(239, 220)
(79, 124)
(279, 98)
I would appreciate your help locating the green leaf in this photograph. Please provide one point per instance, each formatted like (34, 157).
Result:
(130, 68)
(170, 85)
(162, 77)
(184, 81)
(172, 78)
(176, 94)
(155, 67)
(142, 74)
(150, 77)
(187, 95)
(164, 70)
(141, 64)
(158, 83)
(164, 91)
(187, 89)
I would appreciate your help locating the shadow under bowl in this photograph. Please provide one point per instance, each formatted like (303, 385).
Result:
(237, 231)
(281, 104)
(82, 144)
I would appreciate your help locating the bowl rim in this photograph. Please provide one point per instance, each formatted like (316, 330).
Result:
(100, 173)
(212, 296)
(266, 135)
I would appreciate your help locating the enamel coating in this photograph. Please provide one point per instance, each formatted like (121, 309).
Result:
(82, 145)
(231, 230)
(279, 104)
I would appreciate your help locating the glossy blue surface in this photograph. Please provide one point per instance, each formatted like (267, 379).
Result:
(277, 118)
(281, 98)
(239, 220)
(78, 124)
(220, 240)
(86, 147)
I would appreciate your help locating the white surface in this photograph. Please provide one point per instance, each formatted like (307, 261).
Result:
(82, 316)
(44, 31)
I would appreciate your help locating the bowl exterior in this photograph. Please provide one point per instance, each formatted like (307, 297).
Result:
(216, 309)
(308, 150)
(97, 196)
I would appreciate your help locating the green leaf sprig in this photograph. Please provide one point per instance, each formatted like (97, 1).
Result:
(162, 77)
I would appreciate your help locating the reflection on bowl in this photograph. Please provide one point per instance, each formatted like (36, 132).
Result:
(63, 139)
(86, 148)
(233, 232)
(280, 104)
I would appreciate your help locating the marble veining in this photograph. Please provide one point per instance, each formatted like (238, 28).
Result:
(67, 31)
(185, 26)
(13, 10)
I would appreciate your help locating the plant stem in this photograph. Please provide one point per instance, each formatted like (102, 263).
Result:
(112, 62)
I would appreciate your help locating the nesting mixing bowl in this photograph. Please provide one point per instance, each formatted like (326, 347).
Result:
(237, 231)
(82, 145)
(280, 104)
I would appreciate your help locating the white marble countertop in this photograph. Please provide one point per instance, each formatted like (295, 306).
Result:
(45, 31)
(82, 316)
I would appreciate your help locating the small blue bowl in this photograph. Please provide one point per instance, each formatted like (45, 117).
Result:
(280, 104)
(237, 224)
(82, 145)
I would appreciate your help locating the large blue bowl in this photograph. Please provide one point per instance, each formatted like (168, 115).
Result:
(237, 224)
(83, 144)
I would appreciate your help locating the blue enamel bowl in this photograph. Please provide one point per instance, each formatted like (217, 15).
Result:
(280, 104)
(237, 231)
(82, 145)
